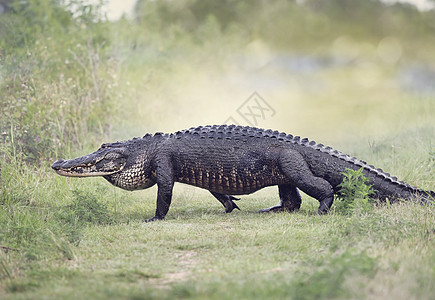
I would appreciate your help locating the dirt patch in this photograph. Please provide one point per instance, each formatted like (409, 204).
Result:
(186, 261)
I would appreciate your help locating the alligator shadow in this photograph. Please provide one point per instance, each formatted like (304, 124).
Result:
(203, 212)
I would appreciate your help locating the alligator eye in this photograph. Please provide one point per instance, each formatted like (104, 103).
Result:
(113, 155)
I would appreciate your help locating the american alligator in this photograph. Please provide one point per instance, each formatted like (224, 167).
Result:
(232, 160)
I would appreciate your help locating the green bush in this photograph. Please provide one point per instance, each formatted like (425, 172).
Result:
(56, 82)
(354, 195)
(85, 209)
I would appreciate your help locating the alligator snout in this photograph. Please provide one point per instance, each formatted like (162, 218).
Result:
(57, 164)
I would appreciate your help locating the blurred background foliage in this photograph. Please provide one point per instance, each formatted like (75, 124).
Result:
(69, 74)
(289, 24)
(54, 86)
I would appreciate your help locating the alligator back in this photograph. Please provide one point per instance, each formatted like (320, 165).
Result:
(242, 159)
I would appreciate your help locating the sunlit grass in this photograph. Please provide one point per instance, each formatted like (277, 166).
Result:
(75, 238)
(201, 252)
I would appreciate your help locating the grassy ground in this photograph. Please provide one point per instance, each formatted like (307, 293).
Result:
(199, 252)
(74, 84)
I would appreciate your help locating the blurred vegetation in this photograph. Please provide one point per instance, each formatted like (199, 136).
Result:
(70, 79)
(290, 25)
(61, 61)
(56, 78)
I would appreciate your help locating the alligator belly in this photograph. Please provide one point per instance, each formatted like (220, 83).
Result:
(231, 184)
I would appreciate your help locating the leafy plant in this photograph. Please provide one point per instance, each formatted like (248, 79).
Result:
(355, 192)
(85, 209)
(88, 209)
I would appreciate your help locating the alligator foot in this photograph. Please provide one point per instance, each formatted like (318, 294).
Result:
(227, 201)
(230, 205)
(155, 218)
(325, 205)
(278, 208)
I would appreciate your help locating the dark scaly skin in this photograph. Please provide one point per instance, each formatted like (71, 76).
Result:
(232, 160)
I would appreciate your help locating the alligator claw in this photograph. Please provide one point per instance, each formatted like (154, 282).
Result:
(230, 205)
(155, 218)
(325, 205)
(227, 201)
(278, 208)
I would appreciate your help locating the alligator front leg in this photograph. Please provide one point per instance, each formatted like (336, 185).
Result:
(226, 201)
(165, 184)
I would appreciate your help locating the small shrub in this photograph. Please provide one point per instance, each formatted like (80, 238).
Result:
(85, 209)
(355, 192)
(88, 209)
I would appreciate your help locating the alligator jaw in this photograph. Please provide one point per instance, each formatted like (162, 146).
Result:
(62, 167)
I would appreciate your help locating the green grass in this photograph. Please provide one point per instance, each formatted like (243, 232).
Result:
(200, 252)
(70, 83)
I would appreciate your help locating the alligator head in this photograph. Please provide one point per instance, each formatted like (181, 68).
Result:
(104, 161)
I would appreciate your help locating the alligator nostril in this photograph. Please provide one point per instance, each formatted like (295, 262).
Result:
(56, 165)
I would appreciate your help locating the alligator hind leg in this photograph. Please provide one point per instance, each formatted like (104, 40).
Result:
(290, 199)
(296, 169)
(227, 201)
